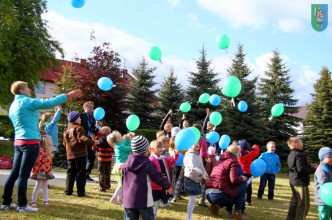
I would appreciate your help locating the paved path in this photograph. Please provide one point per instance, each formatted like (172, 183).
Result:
(60, 178)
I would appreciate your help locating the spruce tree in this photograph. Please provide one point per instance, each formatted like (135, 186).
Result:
(275, 88)
(142, 98)
(242, 125)
(171, 93)
(317, 123)
(203, 81)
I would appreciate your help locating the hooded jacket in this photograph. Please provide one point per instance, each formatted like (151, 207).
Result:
(225, 175)
(137, 173)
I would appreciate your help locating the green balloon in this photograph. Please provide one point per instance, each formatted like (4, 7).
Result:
(185, 107)
(231, 87)
(155, 53)
(215, 118)
(277, 110)
(197, 133)
(132, 122)
(325, 193)
(204, 98)
(223, 41)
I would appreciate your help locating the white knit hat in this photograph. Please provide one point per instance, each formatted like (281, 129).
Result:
(139, 145)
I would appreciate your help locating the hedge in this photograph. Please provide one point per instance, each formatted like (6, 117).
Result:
(6, 127)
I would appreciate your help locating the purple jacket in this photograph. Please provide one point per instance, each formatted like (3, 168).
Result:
(137, 173)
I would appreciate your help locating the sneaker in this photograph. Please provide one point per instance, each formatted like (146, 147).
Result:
(7, 207)
(238, 215)
(34, 205)
(173, 200)
(163, 205)
(214, 209)
(26, 208)
(248, 203)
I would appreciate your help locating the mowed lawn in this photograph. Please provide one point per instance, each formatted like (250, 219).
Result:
(97, 206)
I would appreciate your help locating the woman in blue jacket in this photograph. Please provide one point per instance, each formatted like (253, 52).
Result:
(24, 115)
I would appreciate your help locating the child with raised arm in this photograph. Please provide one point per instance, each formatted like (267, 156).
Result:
(105, 153)
(137, 174)
(323, 175)
(272, 168)
(42, 171)
(122, 149)
(299, 180)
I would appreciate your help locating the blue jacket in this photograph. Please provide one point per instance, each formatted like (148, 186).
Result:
(323, 175)
(272, 162)
(51, 128)
(24, 115)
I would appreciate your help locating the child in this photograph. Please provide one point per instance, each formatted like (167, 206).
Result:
(76, 144)
(166, 124)
(299, 180)
(323, 175)
(163, 164)
(122, 149)
(194, 172)
(41, 172)
(48, 125)
(137, 174)
(212, 160)
(272, 168)
(246, 157)
(105, 153)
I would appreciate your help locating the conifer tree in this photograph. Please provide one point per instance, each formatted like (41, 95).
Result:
(203, 81)
(242, 125)
(142, 98)
(275, 88)
(317, 123)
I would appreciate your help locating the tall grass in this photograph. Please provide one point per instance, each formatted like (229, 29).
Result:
(97, 206)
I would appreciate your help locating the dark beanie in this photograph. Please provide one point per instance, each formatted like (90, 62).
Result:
(244, 145)
(139, 144)
(73, 116)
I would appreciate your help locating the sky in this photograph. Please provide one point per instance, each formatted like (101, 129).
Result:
(181, 27)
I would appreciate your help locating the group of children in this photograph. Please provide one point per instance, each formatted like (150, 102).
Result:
(146, 173)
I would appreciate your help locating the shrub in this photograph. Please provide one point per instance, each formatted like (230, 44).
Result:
(6, 127)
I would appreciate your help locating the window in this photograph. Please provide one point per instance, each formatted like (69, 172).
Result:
(40, 87)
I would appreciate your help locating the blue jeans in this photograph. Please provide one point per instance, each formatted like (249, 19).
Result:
(224, 200)
(133, 214)
(25, 157)
(271, 178)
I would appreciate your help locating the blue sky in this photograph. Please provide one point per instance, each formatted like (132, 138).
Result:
(180, 27)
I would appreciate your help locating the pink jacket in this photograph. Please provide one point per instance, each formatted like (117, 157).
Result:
(203, 147)
(168, 162)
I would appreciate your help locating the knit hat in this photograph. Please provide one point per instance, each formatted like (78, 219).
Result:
(211, 150)
(73, 116)
(174, 131)
(234, 149)
(244, 145)
(139, 144)
(324, 152)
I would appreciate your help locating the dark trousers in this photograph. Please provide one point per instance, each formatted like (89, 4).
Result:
(133, 214)
(249, 189)
(91, 160)
(271, 179)
(299, 203)
(76, 171)
(25, 157)
(104, 169)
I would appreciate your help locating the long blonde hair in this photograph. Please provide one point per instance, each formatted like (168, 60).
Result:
(46, 144)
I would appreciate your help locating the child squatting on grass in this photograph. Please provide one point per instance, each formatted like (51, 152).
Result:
(323, 175)
(137, 173)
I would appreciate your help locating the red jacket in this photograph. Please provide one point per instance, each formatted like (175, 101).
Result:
(225, 175)
(168, 162)
(246, 160)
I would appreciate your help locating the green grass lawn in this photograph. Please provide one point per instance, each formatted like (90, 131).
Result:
(97, 206)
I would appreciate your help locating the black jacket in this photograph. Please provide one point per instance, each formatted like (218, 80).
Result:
(299, 169)
(85, 124)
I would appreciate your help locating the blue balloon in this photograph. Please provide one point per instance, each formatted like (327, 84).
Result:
(179, 162)
(77, 3)
(242, 106)
(258, 167)
(224, 141)
(212, 137)
(215, 99)
(105, 83)
(99, 113)
(185, 139)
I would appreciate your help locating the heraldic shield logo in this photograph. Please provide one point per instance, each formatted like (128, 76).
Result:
(319, 16)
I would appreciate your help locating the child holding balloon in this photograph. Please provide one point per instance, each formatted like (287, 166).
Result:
(323, 175)
(122, 149)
